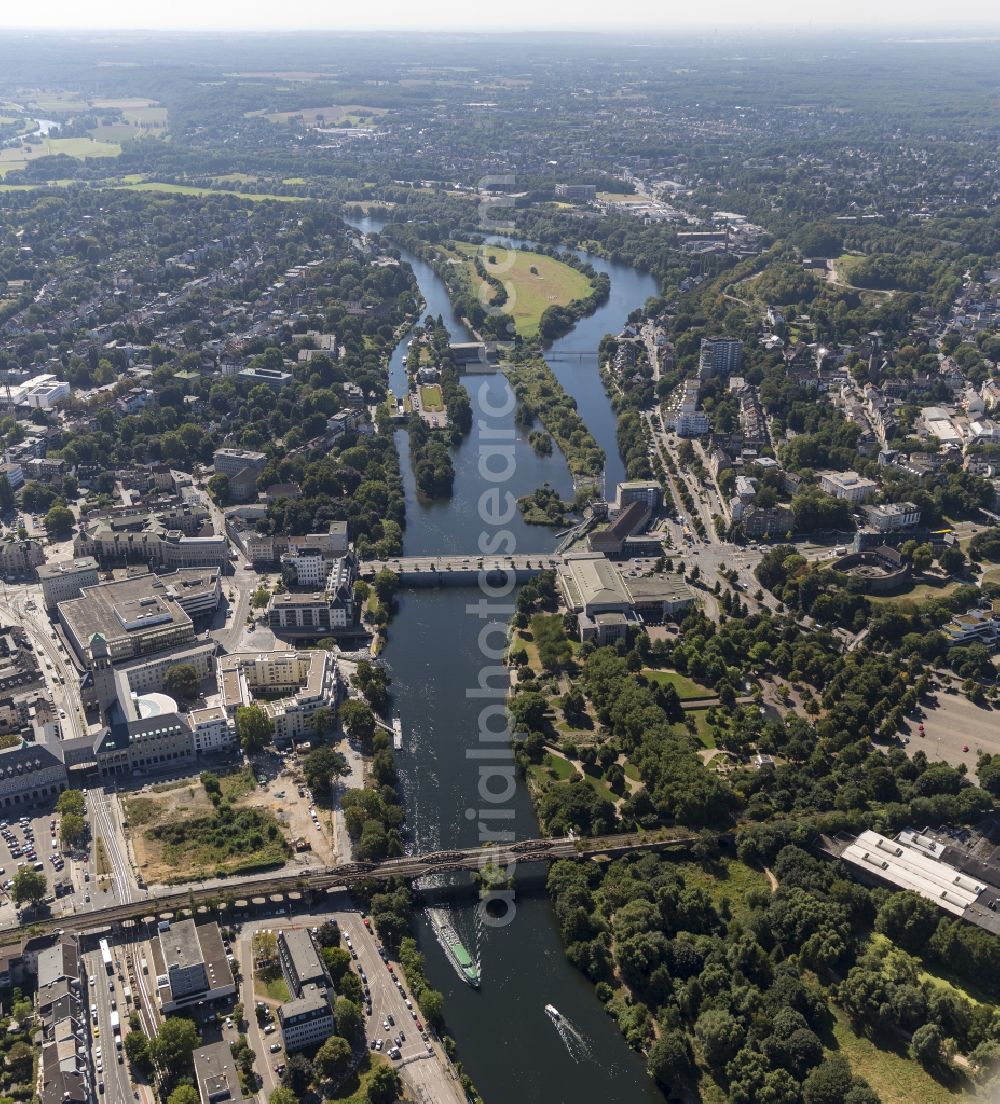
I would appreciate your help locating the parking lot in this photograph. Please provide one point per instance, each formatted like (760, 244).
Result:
(953, 725)
(31, 840)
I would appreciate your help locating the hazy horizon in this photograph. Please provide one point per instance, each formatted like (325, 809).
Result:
(518, 15)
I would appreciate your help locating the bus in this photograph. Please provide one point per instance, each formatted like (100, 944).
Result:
(106, 958)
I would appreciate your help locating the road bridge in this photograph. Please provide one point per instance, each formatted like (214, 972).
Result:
(408, 867)
(460, 569)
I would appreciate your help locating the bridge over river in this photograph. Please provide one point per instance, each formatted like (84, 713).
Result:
(258, 893)
(460, 570)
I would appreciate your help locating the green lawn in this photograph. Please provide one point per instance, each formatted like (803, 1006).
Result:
(431, 397)
(530, 293)
(896, 1078)
(687, 689)
(276, 988)
(702, 728)
(920, 592)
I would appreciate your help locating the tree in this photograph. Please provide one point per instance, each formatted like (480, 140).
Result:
(926, 1045)
(19, 1060)
(358, 721)
(174, 1043)
(6, 495)
(182, 681)
(72, 829)
(59, 520)
(720, 1036)
(333, 1059)
(669, 1059)
(319, 768)
(218, 487)
(282, 1096)
(384, 1086)
(431, 1003)
(71, 801)
(951, 559)
(923, 557)
(137, 1050)
(254, 728)
(29, 885)
(260, 597)
(828, 1083)
(347, 1017)
(184, 1094)
(298, 1074)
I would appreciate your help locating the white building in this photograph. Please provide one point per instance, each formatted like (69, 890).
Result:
(847, 485)
(891, 516)
(63, 579)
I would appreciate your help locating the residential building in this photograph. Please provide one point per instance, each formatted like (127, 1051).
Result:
(977, 625)
(18, 557)
(720, 356)
(682, 415)
(647, 491)
(773, 521)
(292, 686)
(304, 567)
(275, 378)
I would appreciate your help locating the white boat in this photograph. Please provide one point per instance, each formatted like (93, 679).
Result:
(553, 1011)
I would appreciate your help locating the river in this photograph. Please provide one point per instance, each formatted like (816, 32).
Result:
(510, 1047)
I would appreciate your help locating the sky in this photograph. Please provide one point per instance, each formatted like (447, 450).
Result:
(510, 15)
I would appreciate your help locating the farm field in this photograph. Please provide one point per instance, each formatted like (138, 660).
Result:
(531, 293)
(18, 157)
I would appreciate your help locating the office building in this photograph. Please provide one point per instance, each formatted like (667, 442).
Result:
(191, 966)
(848, 486)
(306, 1020)
(64, 579)
(216, 1076)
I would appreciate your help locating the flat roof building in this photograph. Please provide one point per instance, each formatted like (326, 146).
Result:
(215, 1074)
(138, 616)
(64, 579)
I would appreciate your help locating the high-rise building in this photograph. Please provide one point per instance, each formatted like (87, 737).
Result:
(720, 356)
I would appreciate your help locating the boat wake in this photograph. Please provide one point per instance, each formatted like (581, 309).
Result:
(573, 1040)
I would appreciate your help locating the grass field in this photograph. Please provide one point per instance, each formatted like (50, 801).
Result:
(687, 689)
(17, 157)
(702, 728)
(530, 293)
(431, 397)
(896, 1078)
(920, 592)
